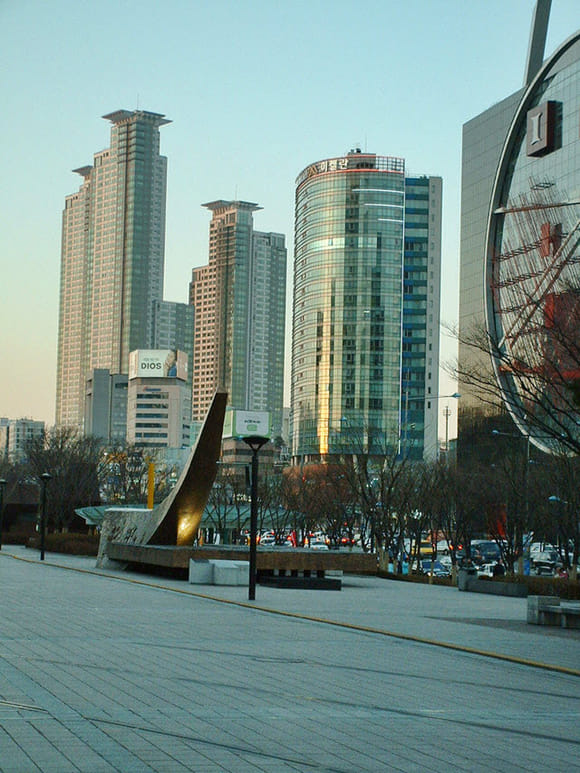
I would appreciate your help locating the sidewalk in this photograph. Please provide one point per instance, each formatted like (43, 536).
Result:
(109, 671)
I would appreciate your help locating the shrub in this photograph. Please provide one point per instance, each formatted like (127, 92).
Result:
(68, 542)
(537, 586)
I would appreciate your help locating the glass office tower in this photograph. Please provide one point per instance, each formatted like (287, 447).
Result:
(348, 315)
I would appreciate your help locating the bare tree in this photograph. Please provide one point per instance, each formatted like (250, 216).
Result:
(339, 505)
(294, 500)
(563, 501)
(377, 471)
(539, 383)
(227, 506)
(126, 479)
(304, 498)
(270, 510)
(75, 463)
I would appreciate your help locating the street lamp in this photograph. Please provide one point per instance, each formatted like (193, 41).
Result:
(427, 399)
(567, 510)
(447, 414)
(255, 442)
(44, 478)
(2, 484)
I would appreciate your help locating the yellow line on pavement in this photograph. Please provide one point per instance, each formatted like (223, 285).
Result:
(325, 621)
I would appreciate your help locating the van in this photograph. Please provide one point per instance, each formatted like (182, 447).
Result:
(487, 550)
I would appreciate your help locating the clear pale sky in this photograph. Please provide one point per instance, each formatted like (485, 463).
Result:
(256, 91)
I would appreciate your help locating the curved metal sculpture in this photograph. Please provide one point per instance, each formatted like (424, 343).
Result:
(174, 521)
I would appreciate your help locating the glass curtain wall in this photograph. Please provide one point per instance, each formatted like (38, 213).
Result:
(347, 316)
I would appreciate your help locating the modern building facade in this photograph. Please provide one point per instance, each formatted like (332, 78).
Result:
(112, 258)
(421, 316)
(513, 223)
(482, 143)
(239, 305)
(483, 140)
(158, 403)
(106, 405)
(532, 268)
(365, 309)
(16, 433)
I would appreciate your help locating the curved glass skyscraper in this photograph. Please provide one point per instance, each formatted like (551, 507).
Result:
(353, 387)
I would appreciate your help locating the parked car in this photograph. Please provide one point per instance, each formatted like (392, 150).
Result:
(318, 544)
(491, 569)
(546, 562)
(439, 570)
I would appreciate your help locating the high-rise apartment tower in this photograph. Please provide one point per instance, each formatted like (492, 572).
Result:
(365, 344)
(239, 301)
(112, 260)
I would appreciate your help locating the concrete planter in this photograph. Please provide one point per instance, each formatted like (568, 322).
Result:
(467, 580)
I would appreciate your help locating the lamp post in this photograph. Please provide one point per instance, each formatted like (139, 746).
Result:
(447, 414)
(427, 399)
(44, 478)
(2, 484)
(255, 442)
(568, 534)
(555, 499)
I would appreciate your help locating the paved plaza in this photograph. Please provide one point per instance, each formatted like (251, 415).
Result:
(111, 671)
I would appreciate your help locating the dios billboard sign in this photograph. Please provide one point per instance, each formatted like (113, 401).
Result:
(158, 363)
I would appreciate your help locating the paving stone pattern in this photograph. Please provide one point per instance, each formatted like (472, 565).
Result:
(101, 674)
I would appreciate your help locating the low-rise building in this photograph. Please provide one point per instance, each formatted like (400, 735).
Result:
(158, 399)
(15, 433)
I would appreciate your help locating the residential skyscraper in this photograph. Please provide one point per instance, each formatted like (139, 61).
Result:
(112, 259)
(172, 328)
(365, 343)
(239, 301)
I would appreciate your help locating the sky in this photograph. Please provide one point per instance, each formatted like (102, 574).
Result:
(256, 91)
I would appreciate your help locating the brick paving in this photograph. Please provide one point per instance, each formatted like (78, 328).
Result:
(101, 674)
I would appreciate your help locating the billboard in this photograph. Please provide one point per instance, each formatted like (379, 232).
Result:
(158, 363)
(245, 423)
